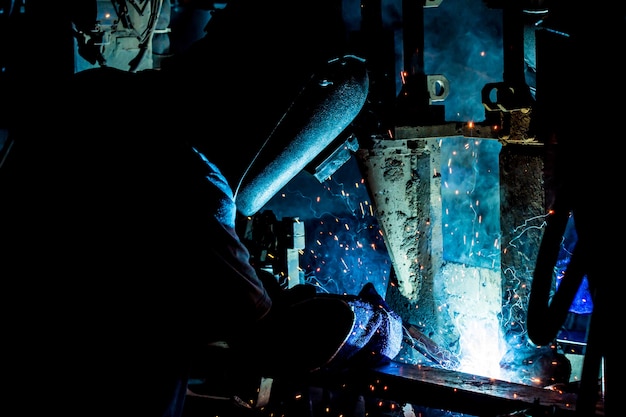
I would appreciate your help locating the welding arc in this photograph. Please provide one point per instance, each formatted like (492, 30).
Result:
(546, 317)
(427, 347)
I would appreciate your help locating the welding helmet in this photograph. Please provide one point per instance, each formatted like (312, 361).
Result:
(265, 109)
(311, 126)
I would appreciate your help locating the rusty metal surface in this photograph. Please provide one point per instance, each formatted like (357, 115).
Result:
(467, 393)
(451, 391)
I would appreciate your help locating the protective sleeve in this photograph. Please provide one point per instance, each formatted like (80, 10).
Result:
(239, 292)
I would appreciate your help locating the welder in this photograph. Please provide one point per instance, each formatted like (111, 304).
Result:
(120, 256)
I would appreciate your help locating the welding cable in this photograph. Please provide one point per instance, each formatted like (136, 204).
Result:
(121, 10)
(4, 152)
(545, 317)
(146, 36)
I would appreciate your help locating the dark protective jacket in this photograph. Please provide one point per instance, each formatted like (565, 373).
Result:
(119, 252)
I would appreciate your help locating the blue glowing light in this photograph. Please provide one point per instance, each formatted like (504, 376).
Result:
(471, 201)
(463, 42)
(582, 303)
(344, 245)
